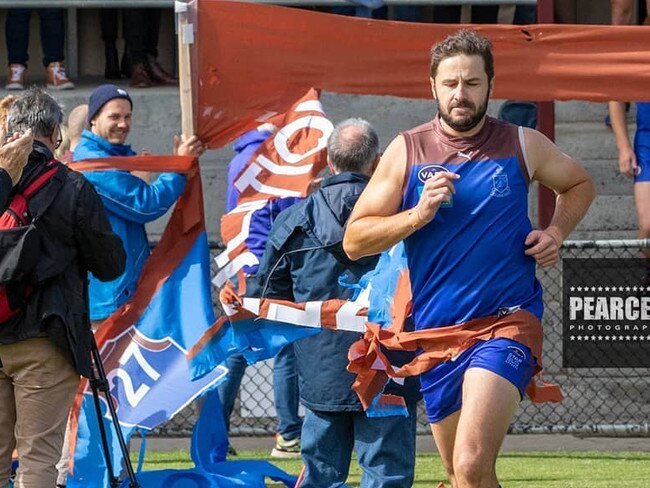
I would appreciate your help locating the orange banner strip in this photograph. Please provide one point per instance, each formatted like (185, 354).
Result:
(152, 162)
(254, 59)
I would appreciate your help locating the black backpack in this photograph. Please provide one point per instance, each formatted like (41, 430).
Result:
(20, 242)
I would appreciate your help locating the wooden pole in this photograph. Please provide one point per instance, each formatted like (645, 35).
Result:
(185, 39)
(546, 125)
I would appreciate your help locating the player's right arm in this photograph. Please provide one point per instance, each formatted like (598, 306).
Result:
(627, 164)
(376, 223)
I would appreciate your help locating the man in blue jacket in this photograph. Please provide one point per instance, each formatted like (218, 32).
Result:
(302, 262)
(130, 201)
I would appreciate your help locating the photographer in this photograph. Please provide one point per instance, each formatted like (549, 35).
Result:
(45, 344)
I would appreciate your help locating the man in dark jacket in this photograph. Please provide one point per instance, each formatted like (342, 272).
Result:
(46, 346)
(303, 261)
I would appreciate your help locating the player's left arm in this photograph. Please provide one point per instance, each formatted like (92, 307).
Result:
(574, 192)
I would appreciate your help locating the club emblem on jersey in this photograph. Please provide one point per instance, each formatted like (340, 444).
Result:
(500, 186)
(426, 172)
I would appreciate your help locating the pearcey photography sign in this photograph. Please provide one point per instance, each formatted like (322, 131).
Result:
(606, 313)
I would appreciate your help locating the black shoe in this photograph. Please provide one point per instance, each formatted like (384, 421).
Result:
(112, 66)
(231, 450)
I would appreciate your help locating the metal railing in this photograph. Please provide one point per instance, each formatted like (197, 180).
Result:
(603, 401)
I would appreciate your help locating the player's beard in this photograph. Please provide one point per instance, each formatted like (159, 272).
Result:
(464, 123)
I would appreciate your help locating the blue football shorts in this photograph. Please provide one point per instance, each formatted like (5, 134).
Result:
(642, 151)
(442, 386)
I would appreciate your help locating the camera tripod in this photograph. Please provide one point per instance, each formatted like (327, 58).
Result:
(99, 382)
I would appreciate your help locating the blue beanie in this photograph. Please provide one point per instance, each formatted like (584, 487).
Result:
(102, 95)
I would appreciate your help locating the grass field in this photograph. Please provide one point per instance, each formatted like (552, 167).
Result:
(516, 470)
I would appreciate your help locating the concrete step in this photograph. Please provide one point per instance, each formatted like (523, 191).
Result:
(610, 212)
(607, 177)
(579, 111)
(586, 140)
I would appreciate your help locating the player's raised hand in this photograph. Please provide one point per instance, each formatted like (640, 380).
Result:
(437, 189)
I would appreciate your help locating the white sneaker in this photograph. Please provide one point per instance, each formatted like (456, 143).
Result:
(56, 77)
(16, 77)
(286, 449)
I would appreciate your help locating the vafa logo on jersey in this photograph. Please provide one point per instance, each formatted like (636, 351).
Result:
(429, 170)
(426, 172)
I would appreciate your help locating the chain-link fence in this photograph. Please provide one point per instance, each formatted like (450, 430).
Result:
(598, 401)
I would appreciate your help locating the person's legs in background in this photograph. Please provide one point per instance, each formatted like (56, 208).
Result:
(155, 70)
(108, 22)
(327, 442)
(285, 391)
(385, 448)
(17, 39)
(622, 12)
(141, 27)
(52, 42)
(229, 389)
(134, 22)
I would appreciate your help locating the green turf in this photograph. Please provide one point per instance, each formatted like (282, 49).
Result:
(516, 470)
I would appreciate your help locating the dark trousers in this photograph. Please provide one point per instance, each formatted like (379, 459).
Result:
(17, 34)
(141, 27)
(108, 22)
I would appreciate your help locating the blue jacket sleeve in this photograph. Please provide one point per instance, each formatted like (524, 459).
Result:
(273, 279)
(133, 199)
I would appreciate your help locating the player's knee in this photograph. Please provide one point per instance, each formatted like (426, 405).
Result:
(473, 469)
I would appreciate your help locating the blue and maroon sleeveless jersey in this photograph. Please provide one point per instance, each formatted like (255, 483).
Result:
(469, 261)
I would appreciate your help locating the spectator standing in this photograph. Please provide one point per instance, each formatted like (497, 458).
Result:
(634, 163)
(633, 159)
(52, 41)
(130, 202)
(141, 28)
(302, 262)
(46, 346)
